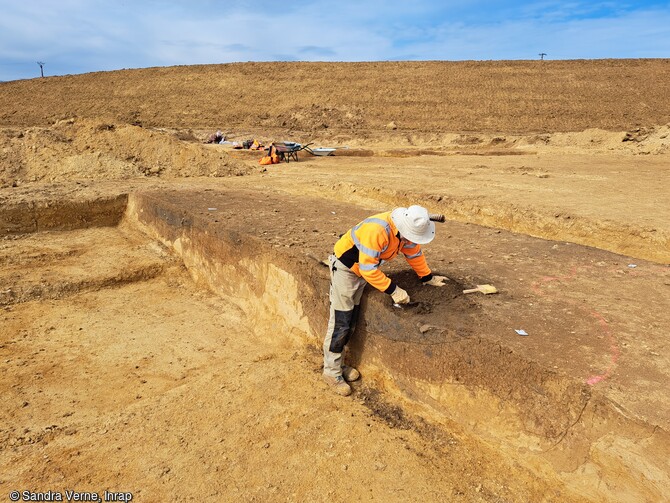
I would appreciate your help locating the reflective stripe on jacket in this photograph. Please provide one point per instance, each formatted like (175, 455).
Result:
(374, 240)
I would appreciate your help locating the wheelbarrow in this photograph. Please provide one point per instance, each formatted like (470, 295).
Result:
(288, 150)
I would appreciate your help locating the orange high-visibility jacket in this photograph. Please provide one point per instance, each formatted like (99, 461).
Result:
(374, 241)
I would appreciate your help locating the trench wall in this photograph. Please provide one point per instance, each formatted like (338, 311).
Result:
(24, 217)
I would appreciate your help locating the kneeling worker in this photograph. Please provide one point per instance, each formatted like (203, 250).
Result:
(358, 255)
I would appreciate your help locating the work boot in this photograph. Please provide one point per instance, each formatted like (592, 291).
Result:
(338, 384)
(350, 374)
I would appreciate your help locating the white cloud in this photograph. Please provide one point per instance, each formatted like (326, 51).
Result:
(74, 36)
(640, 35)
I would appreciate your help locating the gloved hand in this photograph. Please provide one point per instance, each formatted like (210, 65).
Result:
(400, 296)
(437, 281)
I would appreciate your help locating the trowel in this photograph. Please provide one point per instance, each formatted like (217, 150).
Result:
(485, 289)
(409, 304)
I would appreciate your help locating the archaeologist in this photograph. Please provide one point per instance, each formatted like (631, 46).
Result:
(355, 263)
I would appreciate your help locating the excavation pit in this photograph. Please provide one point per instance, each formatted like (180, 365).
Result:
(558, 401)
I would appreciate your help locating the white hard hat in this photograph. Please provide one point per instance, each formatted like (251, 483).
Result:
(414, 224)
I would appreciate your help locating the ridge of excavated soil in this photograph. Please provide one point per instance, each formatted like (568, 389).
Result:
(354, 98)
(89, 149)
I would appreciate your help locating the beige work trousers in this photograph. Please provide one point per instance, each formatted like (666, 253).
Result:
(346, 290)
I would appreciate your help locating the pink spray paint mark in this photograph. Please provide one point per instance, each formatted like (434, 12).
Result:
(615, 352)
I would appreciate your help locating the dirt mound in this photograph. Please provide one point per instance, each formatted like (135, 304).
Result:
(89, 149)
(637, 141)
(438, 96)
(647, 140)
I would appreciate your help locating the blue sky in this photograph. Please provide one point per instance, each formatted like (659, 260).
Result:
(79, 36)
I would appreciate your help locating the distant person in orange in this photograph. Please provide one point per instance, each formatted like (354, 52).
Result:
(355, 263)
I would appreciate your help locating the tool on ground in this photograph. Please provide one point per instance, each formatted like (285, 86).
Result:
(436, 217)
(409, 304)
(485, 289)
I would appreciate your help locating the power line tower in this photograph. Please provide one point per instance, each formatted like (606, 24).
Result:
(41, 67)
(542, 55)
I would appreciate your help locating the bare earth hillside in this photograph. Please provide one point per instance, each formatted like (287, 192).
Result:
(488, 96)
(163, 301)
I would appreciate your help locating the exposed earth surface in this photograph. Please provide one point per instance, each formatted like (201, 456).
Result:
(164, 299)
